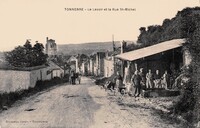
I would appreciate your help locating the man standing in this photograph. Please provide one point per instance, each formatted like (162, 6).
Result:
(79, 78)
(72, 77)
(157, 80)
(136, 80)
(166, 80)
(141, 73)
(149, 79)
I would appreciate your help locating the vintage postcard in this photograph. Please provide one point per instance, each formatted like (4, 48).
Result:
(99, 64)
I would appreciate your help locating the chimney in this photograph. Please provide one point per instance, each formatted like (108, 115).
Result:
(47, 38)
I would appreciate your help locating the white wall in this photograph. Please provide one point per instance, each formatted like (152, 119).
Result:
(56, 70)
(39, 74)
(108, 68)
(11, 81)
(91, 67)
(83, 68)
(58, 73)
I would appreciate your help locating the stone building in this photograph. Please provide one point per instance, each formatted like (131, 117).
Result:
(92, 62)
(85, 68)
(99, 71)
(51, 47)
(74, 63)
(108, 66)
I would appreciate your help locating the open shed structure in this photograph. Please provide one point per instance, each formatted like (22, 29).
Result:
(168, 55)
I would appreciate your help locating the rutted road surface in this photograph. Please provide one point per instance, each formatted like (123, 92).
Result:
(76, 106)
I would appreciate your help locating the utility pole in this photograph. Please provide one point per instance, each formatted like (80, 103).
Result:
(113, 43)
(114, 60)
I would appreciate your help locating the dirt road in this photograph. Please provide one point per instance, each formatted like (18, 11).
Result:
(76, 106)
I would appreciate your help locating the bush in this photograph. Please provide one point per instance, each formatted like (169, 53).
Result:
(185, 105)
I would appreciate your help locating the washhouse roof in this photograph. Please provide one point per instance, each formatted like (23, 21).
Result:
(151, 50)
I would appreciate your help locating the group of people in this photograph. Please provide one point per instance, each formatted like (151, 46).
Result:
(73, 77)
(156, 80)
(150, 80)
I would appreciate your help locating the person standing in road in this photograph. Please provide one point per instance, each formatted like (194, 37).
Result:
(73, 77)
(136, 81)
(79, 78)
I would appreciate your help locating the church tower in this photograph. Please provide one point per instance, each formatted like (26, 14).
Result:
(51, 47)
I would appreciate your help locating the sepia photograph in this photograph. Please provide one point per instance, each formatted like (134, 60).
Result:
(100, 64)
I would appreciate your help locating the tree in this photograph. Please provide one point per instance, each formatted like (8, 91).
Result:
(26, 55)
(188, 105)
(180, 26)
(166, 23)
(28, 45)
(142, 29)
(38, 47)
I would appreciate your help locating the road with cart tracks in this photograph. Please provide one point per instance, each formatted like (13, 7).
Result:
(77, 106)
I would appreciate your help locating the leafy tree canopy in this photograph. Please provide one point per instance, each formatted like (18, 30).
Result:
(181, 26)
(27, 55)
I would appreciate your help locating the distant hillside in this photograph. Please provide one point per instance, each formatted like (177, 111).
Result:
(88, 48)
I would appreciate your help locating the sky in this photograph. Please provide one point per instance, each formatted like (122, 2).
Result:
(38, 19)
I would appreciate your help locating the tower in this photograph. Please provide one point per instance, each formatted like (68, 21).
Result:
(51, 47)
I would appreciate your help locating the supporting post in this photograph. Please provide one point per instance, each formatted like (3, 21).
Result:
(122, 68)
(136, 66)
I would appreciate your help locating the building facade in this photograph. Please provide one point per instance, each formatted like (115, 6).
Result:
(74, 63)
(85, 68)
(108, 66)
(92, 61)
(100, 63)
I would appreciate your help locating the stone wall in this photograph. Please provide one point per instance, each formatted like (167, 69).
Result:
(11, 80)
(15, 80)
